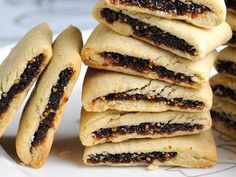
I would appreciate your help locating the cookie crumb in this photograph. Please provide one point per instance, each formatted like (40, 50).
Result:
(152, 167)
(64, 154)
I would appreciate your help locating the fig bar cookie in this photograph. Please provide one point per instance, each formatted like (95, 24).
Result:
(231, 5)
(224, 86)
(115, 126)
(176, 36)
(45, 107)
(196, 151)
(223, 115)
(202, 13)
(108, 50)
(104, 90)
(20, 69)
(226, 62)
(231, 19)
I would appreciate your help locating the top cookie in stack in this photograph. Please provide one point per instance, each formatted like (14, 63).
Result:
(176, 36)
(162, 53)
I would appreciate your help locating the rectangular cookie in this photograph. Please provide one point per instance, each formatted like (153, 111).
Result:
(195, 151)
(104, 90)
(224, 87)
(20, 70)
(175, 36)
(231, 5)
(226, 62)
(231, 20)
(108, 50)
(223, 114)
(116, 126)
(43, 111)
(202, 13)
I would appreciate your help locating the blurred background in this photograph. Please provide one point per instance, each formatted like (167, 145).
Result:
(18, 16)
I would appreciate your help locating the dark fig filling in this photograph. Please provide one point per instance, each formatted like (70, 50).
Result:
(233, 39)
(173, 7)
(144, 158)
(47, 118)
(146, 129)
(225, 118)
(230, 4)
(148, 32)
(228, 67)
(143, 65)
(30, 72)
(223, 91)
(177, 102)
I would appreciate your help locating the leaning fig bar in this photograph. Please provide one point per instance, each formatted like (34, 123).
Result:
(116, 126)
(190, 42)
(108, 50)
(21, 69)
(44, 109)
(202, 13)
(195, 151)
(104, 90)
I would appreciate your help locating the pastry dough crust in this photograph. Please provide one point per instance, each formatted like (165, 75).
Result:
(227, 82)
(104, 39)
(99, 83)
(36, 41)
(191, 150)
(66, 50)
(210, 19)
(92, 121)
(227, 108)
(200, 39)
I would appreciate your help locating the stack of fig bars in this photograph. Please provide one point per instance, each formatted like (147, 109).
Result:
(223, 84)
(148, 100)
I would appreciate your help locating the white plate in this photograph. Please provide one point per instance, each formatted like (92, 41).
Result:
(70, 163)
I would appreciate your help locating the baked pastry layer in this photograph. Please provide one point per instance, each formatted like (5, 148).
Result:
(226, 62)
(131, 93)
(190, 42)
(115, 126)
(231, 19)
(231, 5)
(223, 115)
(21, 68)
(224, 86)
(108, 50)
(43, 112)
(185, 151)
(206, 14)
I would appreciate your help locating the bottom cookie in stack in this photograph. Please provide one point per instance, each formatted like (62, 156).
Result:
(223, 115)
(197, 151)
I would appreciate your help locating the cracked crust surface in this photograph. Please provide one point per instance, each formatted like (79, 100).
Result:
(36, 41)
(226, 82)
(191, 150)
(201, 39)
(99, 83)
(91, 122)
(66, 50)
(104, 39)
(205, 20)
(229, 109)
